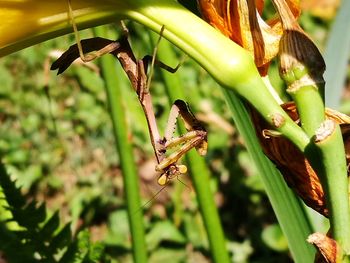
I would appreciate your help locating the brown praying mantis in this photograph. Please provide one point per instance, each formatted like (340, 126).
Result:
(136, 70)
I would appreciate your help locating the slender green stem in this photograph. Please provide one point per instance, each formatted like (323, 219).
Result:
(288, 208)
(124, 148)
(199, 171)
(205, 197)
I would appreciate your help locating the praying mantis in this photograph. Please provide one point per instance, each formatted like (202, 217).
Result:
(136, 70)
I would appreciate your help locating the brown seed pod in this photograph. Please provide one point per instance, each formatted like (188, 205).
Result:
(292, 164)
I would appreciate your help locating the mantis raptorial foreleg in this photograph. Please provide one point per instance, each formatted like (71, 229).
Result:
(136, 70)
(196, 137)
(192, 125)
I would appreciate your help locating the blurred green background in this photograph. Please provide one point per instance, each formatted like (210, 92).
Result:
(57, 142)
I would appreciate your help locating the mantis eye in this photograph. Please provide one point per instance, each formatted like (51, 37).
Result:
(181, 168)
(163, 179)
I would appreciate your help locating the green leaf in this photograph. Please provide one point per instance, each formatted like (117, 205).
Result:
(164, 231)
(90, 80)
(31, 174)
(168, 255)
(50, 227)
(95, 252)
(337, 56)
(12, 193)
(273, 237)
(62, 239)
(119, 231)
(30, 216)
(195, 230)
(288, 209)
(6, 81)
(241, 251)
(70, 254)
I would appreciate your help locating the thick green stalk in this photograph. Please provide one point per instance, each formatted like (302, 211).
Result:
(332, 172)
(197, 165)
(124, 148)
(302, 67)
(288, 209)
(328, 159)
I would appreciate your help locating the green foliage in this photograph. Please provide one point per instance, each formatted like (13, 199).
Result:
(273, 237)
(57, 142)
(29, 234)
(337, 54)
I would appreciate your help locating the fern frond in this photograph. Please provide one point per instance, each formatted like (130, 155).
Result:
(37, 237)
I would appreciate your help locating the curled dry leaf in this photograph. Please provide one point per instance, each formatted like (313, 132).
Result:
(328, 251)
(294, 167)
(241, 21)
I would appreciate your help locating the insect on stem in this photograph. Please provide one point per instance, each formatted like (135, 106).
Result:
(136, 70)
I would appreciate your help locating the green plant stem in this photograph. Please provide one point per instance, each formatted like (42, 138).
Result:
(332, 172)
(327, 157)
(310, 107)
(287, 207)
(199, 171)
(124, 148)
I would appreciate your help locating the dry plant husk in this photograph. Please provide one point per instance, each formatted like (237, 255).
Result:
(291, 162)
(241, 21)
(297, 51)
(328, 251)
